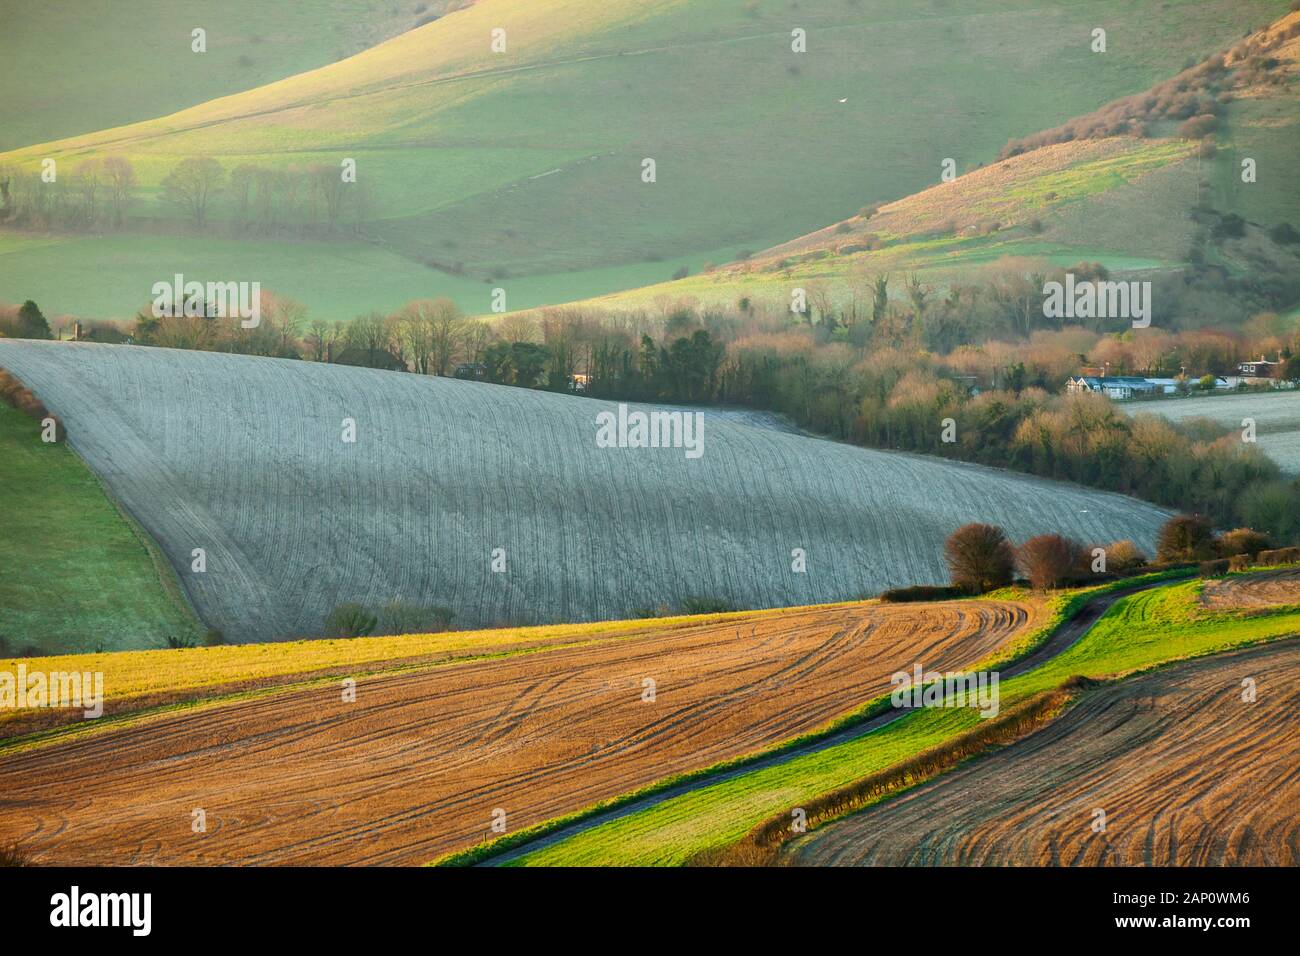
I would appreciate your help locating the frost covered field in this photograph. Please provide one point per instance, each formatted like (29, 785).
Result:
(245, 458)
(1277, 419)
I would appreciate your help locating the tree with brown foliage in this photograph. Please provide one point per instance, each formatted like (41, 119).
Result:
(1243, 541)
(1185, 538)
(980, 558)
(1048, 560)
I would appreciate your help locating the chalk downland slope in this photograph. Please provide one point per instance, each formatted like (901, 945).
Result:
(418, 764)
(79, 66)
(528, 162)
(245, 458)
(1125, 201)
(1186, 772)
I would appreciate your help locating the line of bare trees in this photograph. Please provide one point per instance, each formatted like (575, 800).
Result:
(102, 192)
(96, 193)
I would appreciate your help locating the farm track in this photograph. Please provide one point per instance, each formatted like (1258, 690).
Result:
(415, 767)
(243, 457)
(1062, 637)
(1186, 773)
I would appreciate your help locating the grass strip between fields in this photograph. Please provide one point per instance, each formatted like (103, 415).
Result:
(761, 846)
(1140, 632)
(1061, 609)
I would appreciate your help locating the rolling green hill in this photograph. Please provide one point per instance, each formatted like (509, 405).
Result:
(62, 79)
(490, 166)
(1125, 201)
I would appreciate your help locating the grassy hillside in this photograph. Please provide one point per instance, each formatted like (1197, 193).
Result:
(82, 65)
(74, 575)
(528, 162)
(245, 458)
(1139, 632)
(1123, 201)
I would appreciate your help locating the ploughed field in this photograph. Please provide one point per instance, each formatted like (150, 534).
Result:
(1265, 589)
(1276, 416)
(416, 766)
(1186, 772)
(245, 458)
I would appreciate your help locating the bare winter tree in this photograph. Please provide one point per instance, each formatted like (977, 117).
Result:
(192, 185)
(89, 175)
(119, 176)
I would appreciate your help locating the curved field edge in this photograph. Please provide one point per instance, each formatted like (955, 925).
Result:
(76, 567)
(1052, 741)
(678, 830)
(144, 683)
(1058, 610)
(244, 456)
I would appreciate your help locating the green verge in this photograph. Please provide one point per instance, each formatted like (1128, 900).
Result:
(75, 573)
(1139, 632)
(1060, 609)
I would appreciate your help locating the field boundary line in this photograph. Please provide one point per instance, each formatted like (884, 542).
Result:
(868, 717)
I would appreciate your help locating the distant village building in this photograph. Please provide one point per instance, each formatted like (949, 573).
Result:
(1165, 386)
(1260, 368)
(1113, 386)
(471, 371)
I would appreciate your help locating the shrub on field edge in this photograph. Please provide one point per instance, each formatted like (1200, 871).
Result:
(706, 605)
(1215, 568)
(980, 558)
(15, 393)
(921, 592)
(1048, 560)
(1245, 541)
(1124, 555)
(1278, 556)
(400, 617)
(1185, 538)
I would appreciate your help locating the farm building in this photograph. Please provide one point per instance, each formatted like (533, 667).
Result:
(1114, 386)
(1259, 368)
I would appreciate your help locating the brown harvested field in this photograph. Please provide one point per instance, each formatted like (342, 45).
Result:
(1267, 589)
(417, 764)
(1187, 773)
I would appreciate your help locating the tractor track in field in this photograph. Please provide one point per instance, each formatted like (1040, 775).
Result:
(1063, 637)
(415, 767)
(1185, 772)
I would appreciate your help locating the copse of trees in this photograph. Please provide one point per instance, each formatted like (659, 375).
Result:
(1185, 538)
(24, 322)
(100, 193)
(95, 193)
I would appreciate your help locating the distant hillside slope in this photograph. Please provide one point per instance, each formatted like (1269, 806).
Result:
(244, 458)
(1134, 203)
(75, 66)
(495, 166)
